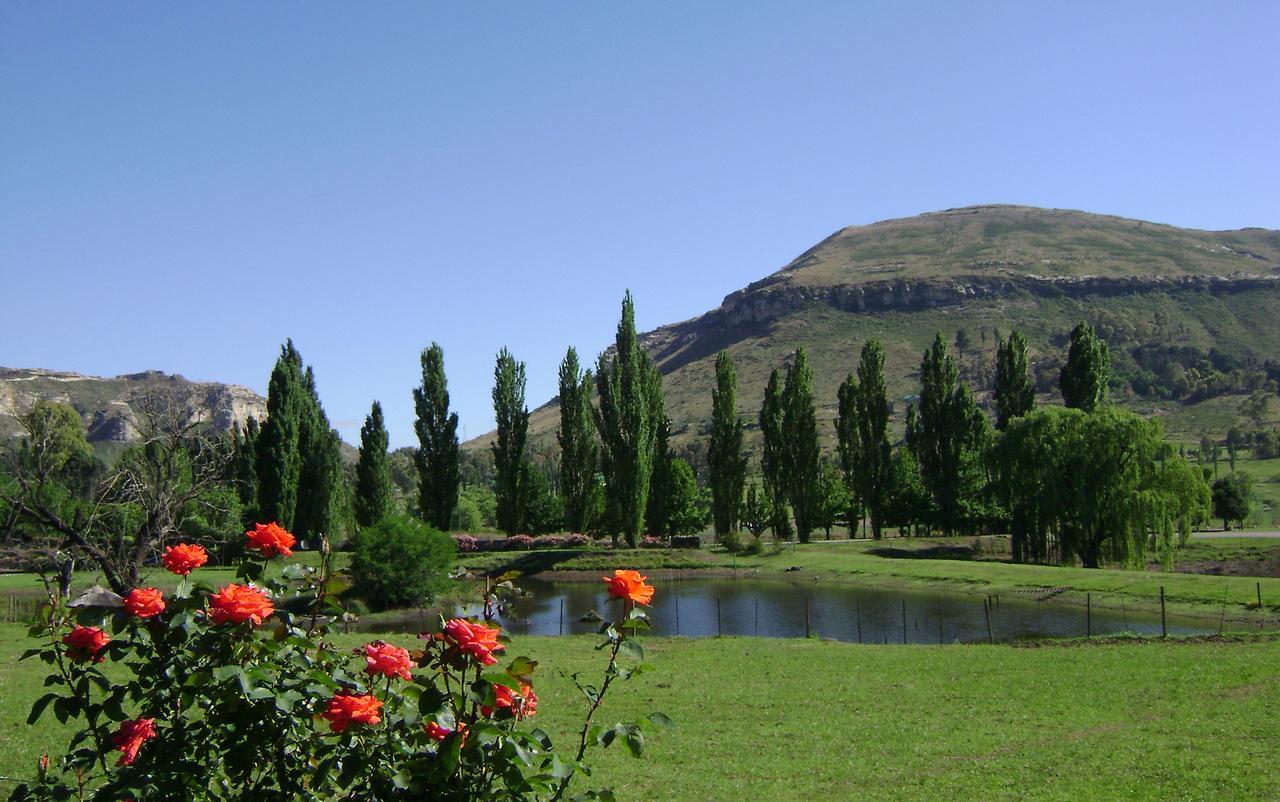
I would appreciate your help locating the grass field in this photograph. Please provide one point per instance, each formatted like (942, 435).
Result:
(790, 719)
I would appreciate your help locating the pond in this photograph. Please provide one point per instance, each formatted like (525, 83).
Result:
(777, 608)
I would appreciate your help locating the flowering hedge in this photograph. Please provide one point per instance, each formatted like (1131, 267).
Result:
(228, 696)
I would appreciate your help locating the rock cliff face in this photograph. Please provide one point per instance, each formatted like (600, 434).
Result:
(108, 405)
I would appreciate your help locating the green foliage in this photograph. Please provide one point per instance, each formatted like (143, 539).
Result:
(1015, 392)
(849, 443)
(577, 445)
(373, 491)
(400, 562)
(1085, 375)
(544, 511)
(685, 515)
(437, 454)
(726, 461)
(509, 442)
(800, 444)
(873, 461)
(476, 510)
(244, 468)
(947, 439)
(909, 501)
(628, 386)
(1231, 498)
(832, 500)
(773, 459)
(755, 513)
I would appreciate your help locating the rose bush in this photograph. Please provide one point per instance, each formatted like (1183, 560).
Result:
(225, 694)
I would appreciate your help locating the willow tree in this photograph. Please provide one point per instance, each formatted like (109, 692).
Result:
(1101, 487)
(628, 428)
(1083, 379)
(1015, 392)
(512, 418)
(577, 444)
(725, 460)
(800, 428)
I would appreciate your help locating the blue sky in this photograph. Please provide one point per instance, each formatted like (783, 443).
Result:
(183, 186)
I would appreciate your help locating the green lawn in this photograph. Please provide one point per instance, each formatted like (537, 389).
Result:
(789, 719)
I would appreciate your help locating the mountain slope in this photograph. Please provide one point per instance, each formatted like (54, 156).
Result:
(1152, 290)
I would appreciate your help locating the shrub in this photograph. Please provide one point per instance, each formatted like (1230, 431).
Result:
(466, 544)
(686, 542)
(517, 543)
(231, 697)
(651, 542)
(400, 562)
(549, 542)
(577, 541)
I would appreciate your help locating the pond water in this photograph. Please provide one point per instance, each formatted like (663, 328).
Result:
(777, 609)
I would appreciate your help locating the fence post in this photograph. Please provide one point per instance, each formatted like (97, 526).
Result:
(904, 620)
(756, 626)
(1164, 630)
(807, 630)
(562, 615)
(719, 632)
(1088, 615)
(677, 614)
(986, 611)
(858, 614)
(1259, 587)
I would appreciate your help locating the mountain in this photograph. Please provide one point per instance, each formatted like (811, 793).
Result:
(1188, 314)
(108, 405)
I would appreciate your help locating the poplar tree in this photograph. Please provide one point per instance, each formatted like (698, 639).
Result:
(1015, 393)
(373, 471)
(627, 427)
(800, 427)
(726, 462)
(848, 445)
(773, 458)
(320, 486)
(577, 444)
(947, 436)
(437, 454)
(508, 447)
(659, 509)
(1083, 379)
(873, 475)
(279, 463)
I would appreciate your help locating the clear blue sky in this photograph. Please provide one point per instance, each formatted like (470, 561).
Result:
(183, 186)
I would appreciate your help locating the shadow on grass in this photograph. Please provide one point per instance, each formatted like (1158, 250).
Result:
(929, 553)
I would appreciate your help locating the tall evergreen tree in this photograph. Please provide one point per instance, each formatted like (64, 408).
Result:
(320, 485)
(1015, 392)
(373, 492)
(874, 475)
(800, 425)
(725, 459)
(509, 445)
(244, 467)
(1084, 377)
(627, 426)
(279, 462)
(947, 437)
(577, 444)
(773, 460)
(437, 454)
(658, 511)
(848, 446)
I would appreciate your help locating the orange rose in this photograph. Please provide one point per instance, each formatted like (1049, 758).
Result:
(629, 585)
(347, 709)
(240, 603)
(184, 558)
(85, 643)
(386, 660)
(271, 540)
(520, 704)
(439, 733)
(130, 737)
(144, 602)
(477, 641)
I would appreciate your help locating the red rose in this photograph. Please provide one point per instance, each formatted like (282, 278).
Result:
(85, 643)
(520, 704)
(386, 660)
(144, 602)
(344, 710)
(130, 737)
(184, 558)
(240, 603)
(477, 641)
(629, 585)
(271, 540)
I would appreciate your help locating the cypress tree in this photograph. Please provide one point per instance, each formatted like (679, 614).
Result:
(726, 461)
(1015, 393)
(948, 435)
(627, 427)
(773, 468)
(508, 447)
(320, 490)
(873, 436)
(279, 463)
(577, 444)
(437, 454)
(1083, 379)
(800, 427)
(373, 471)
(848, 445)
(244, 467)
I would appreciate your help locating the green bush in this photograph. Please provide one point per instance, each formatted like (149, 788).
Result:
(400, 562)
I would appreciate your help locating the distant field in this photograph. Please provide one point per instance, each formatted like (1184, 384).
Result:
(795, 719)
